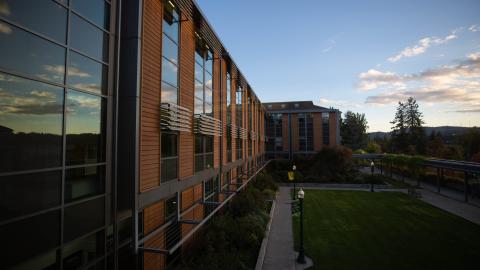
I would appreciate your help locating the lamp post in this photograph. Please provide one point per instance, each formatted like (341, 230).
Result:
(294, 168)
(301, 254)
(372, 168)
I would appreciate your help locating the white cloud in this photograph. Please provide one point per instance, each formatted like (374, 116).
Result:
(331, 42)
(474, 56)
(5, 29)
(85, 102)
(43, 94)
(454, 84)
(474, 28)
(373, 79)
(422, 46)
(88, 86)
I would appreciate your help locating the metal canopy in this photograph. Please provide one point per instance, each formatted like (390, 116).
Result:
(456, 165)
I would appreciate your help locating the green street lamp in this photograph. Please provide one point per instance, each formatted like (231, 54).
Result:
(372, 169)
(301, 254)
(294, 168)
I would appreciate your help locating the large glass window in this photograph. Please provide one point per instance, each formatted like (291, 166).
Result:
(30, 124)
(83, 251)
(169, 160)
(89, 39)
(203, 152)
(305, 132)
(38, 191)
(229, 117)
(84, 182)
(28, 238)
(44, 60)
(203, 103)
(170, 56)
(83, 218)
(274, 132)
(85, 128)
(87, 74)
(203, 78)
(239, 111)
(43, 16)
(97, 11)
(326, 128)
(53, 125)
(239, 118)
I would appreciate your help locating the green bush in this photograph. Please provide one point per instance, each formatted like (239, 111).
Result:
(232, 240)
(331, 164)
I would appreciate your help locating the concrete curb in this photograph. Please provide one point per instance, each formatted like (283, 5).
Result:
(263, 247)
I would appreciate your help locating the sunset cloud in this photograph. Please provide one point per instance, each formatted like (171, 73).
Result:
(457, 84)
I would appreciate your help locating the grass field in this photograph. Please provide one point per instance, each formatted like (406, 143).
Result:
(384, 230)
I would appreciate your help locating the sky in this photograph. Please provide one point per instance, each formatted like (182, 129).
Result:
(362, 56)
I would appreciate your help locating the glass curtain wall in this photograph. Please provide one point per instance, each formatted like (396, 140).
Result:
(326, 128)
(169, 91)
(239, 119)
(54, 98)
(203, 102)
(229, 117)
(305, 132)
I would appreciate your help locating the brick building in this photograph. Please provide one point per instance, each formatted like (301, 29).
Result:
(300, 128)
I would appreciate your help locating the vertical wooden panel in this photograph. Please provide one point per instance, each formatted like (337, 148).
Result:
(187, 69)
(285, 134)
(150, 96)
(294, 126)
(154, 217)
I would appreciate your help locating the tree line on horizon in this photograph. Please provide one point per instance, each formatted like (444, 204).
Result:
(408, 136)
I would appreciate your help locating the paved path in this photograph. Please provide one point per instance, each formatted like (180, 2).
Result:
(280, 254)
(450, 202)
(445, 191)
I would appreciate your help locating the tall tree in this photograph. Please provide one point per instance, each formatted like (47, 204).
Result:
(399, 134)
(414, 122)
(353, 130)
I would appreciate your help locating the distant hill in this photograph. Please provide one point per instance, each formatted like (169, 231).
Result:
(448, 132)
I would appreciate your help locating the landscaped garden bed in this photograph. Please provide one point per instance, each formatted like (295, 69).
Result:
(232, 239)
(384, 230)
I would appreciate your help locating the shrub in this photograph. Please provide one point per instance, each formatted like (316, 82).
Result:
(231, 241)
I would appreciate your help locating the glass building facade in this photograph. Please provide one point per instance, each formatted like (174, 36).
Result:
(86, 182)
(55, 92)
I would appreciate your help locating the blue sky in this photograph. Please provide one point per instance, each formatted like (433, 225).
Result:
(362, 56)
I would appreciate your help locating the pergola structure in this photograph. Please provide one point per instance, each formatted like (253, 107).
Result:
(468, 168)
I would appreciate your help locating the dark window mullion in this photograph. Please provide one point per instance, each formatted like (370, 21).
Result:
(64, 142)
(89, 21)
(171, 39)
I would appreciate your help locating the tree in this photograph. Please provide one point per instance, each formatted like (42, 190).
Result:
(399, 134)
(414, 122)
(471, 142)
(353, 130)
(408, 133)
(436, 146)
(373, 148)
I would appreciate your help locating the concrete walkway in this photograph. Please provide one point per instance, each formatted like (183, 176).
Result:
(280, 254)
(448, 202)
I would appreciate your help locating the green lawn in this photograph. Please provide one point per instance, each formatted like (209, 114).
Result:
(384, 230)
